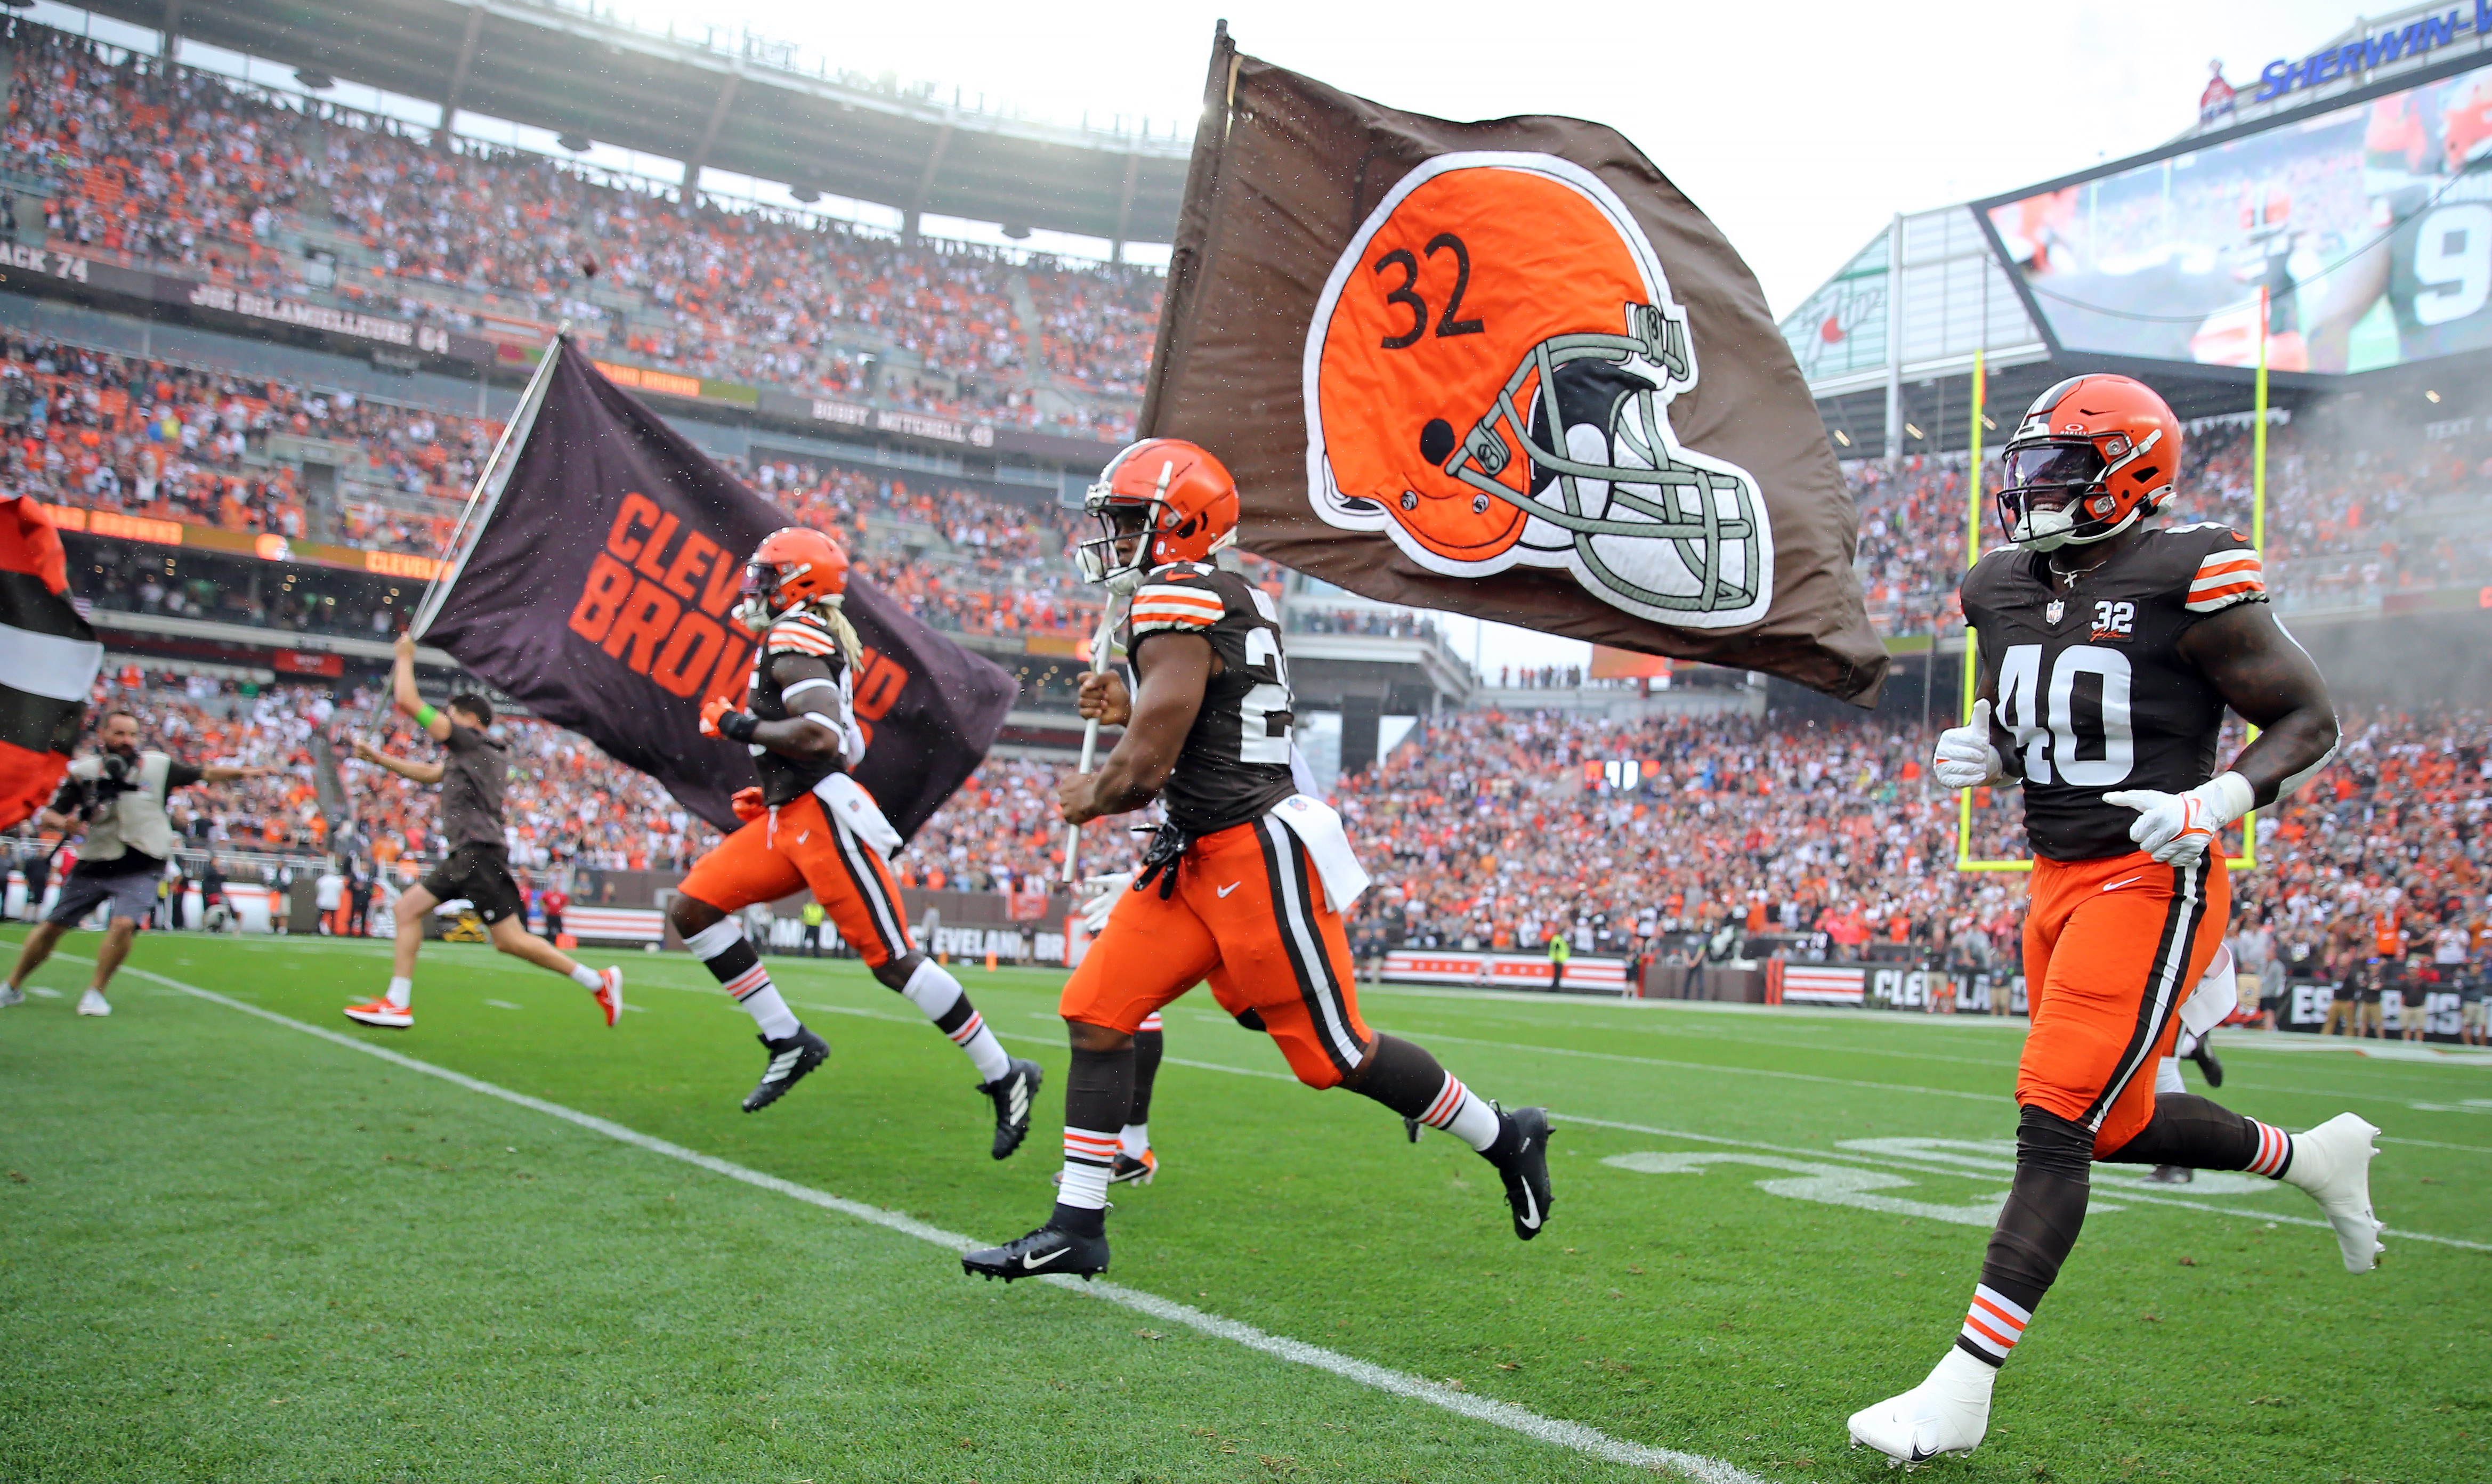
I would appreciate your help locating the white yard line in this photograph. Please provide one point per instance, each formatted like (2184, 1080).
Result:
(1556, 1432)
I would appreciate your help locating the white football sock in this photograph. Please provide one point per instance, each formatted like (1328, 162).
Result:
(1462, 1113)
(1088, 1156)
(932, 990)
(1135, 1141)
(771, 1013)
(732, 960)
(586, 977)
(401, 990)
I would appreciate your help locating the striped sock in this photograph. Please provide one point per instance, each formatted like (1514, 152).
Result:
(723, 950)
(1150, 1022)
(1462, 1113)
(932, 990)
(1088, 1156)
(2275, 1151)
(1992, 1325)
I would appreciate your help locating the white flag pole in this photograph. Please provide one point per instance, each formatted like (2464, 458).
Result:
(521, 417)
(1090, 732)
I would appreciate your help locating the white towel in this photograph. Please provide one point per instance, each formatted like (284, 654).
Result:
(2218, 994)
(1318, 828)
(848, 803)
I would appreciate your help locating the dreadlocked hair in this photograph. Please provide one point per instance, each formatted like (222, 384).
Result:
(828, 610)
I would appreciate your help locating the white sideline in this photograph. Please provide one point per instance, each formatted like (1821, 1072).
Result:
(1531, 1424)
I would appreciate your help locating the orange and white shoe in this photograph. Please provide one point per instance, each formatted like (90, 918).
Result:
(610, 994)
(1132, 1170)
(380, 1012)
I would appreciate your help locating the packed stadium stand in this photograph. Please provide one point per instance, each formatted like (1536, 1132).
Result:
(123, 160)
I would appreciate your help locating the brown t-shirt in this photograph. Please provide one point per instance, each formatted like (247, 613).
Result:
(472, 788)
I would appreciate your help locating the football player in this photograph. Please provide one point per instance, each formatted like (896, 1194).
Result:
(2109, 649)
(810, 824)
(1246, 882)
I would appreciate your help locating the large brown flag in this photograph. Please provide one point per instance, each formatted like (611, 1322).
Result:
(1501, 369)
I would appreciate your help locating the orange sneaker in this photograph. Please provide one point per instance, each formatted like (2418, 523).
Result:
(380, 1012)
(610, 994)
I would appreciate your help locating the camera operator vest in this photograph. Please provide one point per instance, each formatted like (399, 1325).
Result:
(132, 820)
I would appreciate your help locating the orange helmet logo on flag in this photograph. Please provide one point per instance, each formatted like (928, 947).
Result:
(1489, 376)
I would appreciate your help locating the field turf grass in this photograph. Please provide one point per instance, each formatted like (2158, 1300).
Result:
(235, 1251)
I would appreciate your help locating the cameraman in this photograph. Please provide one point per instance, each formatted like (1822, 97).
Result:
(118, 796)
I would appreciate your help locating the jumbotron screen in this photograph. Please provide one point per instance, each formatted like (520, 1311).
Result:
(2370, 226)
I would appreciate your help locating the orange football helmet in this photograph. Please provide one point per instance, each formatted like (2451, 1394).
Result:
(1488, 382)
(793, 566)
(1162, 500)
(2093, 454)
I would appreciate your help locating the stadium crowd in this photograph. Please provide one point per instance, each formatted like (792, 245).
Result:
(186, 169)
(1686, 837)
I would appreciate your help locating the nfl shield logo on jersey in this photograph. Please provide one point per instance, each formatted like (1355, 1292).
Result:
(2052, 611)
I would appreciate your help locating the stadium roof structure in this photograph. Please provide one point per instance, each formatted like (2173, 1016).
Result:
(753, 109)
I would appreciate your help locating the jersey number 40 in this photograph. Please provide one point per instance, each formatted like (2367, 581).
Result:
(2074, 719)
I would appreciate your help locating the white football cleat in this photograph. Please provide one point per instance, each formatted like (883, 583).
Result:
(93, 1002)
(1945, 1413)
(2333, 1162)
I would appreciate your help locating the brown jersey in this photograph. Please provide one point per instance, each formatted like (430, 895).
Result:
(776, 695)
(1235, 763)
(2094, 695)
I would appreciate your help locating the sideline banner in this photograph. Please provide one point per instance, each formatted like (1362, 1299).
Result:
(1500, 970)
(596, 590)
(1504, 369)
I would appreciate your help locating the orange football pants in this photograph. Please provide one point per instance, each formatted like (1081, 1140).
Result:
(1248, 914)
(2111, 947)
(799, 845)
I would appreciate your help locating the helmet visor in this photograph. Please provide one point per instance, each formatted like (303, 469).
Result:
(2074, 466)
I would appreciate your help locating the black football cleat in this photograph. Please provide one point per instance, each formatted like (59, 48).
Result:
(1051, 1249)
(1521, 1155)
(2204, 1056)
(1410, 1126)
(1013, 1093)
(790, 1059)
(1126, 1170)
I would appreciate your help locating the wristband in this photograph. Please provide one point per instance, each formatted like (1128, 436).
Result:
(424, 715)
(738, 725)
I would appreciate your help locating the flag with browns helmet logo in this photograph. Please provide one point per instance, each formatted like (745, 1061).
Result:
(597, 588)
(1504, 369)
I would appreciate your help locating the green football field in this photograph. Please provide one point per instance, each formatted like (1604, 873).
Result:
(522, 1246)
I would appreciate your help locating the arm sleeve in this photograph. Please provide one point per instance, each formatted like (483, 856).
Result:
(181, 775)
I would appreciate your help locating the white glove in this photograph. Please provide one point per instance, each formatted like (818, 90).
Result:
(1964, 757)
(2178, 828)
(1105, 890)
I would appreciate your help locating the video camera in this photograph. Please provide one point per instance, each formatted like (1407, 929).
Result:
(118, 775)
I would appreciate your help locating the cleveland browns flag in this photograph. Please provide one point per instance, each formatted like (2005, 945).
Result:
(595, 588)
(1501, 369)
(48, 658)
